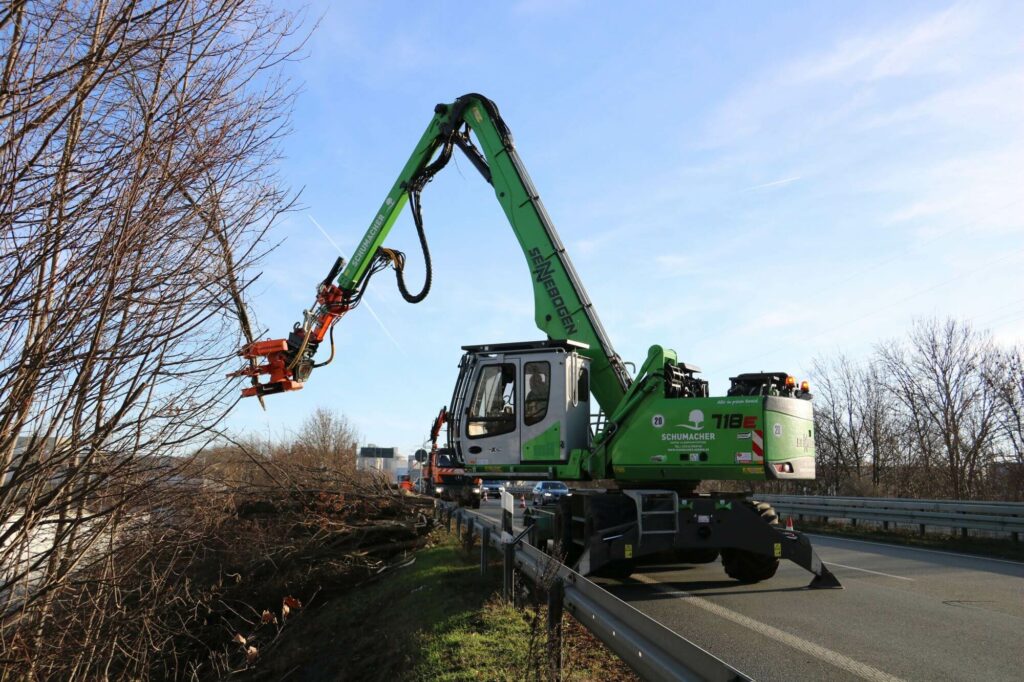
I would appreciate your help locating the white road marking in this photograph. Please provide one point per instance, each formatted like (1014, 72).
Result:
(917, 549)
(862, 670)
(887, 575)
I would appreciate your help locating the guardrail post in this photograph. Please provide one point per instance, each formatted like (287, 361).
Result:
(448, 520)
(963, 533)
(885, 525)
(920, 529)
(485, 540)
(1015, 536)
(467, 539)
(458, 525)
(556, 595)
(506, 570)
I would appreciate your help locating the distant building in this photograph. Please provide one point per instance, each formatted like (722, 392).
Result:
(385, 460)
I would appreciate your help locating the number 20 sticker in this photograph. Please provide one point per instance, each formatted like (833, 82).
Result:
(777, 430)
(657, 421)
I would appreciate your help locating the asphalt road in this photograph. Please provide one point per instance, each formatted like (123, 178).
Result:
(905, 613)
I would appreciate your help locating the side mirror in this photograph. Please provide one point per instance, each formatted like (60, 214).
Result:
(420, 456)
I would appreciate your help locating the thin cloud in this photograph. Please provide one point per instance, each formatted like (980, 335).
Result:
(920, 47)
(931, 45)
(774, 183)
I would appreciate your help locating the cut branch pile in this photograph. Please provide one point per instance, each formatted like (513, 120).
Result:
(281, 549)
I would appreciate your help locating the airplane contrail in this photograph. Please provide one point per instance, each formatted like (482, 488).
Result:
(364, 302)
(776, 183)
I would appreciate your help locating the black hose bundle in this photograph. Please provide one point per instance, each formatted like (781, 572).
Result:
(417, 216)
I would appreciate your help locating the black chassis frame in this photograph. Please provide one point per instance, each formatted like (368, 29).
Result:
(603, 530)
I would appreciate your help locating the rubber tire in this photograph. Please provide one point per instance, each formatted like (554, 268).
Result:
(700, 555)
(617, 570)
(749, 567)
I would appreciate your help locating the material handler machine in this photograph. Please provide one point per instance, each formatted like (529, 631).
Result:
(523, 410)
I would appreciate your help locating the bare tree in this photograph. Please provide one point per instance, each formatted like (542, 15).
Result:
(1008, 383)
(876, 409)
(938, 415)
(137, 148)
(942, 382)
(842, 440)
(326, 440)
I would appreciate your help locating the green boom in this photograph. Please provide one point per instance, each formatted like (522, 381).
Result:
(562, 309)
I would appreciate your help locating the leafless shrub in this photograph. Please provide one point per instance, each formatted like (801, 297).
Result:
(137, 146)
(325, 440)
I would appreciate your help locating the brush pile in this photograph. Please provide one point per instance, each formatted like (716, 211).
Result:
(282, 549)
(201, 580)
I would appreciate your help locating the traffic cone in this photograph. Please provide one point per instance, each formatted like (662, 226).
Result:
(522, 501)
(789, 523)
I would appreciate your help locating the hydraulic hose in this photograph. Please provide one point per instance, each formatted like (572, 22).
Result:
(417, 216)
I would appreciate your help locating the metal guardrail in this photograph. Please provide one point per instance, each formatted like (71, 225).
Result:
(648, 647)
(519, 489)
(1005, 517)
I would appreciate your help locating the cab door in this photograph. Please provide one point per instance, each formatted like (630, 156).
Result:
(543, 408)
(489, 433)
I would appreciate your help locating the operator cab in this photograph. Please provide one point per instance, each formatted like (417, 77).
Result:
(521, 403)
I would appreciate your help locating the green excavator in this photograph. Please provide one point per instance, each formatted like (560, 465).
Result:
(523, 411)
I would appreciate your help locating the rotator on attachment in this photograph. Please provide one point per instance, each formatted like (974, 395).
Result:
(289, 362)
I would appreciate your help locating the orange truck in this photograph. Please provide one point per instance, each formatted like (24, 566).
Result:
(443, 475)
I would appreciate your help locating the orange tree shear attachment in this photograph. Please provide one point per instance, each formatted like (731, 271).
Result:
(289, 362)
(276, 365)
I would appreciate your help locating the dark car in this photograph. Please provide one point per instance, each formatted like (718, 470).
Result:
(547, 492)
(493, 488)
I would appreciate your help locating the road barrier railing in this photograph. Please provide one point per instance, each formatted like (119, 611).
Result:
(648, 647)
(1002, 517)
(519, 489)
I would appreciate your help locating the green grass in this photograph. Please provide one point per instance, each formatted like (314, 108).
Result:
(437, 619)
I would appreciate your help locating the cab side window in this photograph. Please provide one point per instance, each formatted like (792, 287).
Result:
(537, 377)
(492, 410)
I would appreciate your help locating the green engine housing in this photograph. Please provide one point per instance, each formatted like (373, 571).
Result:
(746, 438)
(665, 429)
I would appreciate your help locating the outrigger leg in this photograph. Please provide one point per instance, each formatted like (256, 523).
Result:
(797, 548)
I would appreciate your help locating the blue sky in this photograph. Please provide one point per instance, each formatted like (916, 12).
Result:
(752, 184)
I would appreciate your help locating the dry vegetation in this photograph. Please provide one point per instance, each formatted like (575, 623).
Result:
(199, 579)
(137, 155)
